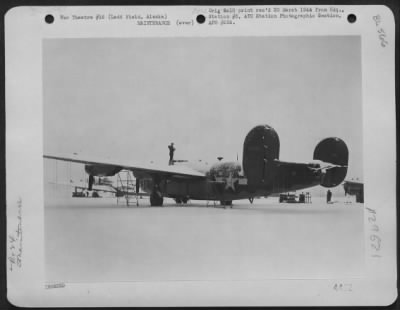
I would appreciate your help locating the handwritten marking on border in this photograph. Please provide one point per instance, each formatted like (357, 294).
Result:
(15, 241)
(381, 32)
(343, 287)
(374, 238)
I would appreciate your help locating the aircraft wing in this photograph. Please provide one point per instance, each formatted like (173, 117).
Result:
(175, 171)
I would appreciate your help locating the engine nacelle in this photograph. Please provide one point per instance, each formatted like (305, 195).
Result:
(260, 149)
(333, 151)
(102, 170)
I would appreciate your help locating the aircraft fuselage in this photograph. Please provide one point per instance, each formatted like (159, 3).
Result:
(226, 182)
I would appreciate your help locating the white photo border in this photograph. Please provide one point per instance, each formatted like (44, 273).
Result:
(25, 30)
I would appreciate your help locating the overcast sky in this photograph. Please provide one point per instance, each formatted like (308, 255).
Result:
(130, 98)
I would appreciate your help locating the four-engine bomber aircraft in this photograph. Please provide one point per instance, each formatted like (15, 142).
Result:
(261, 172)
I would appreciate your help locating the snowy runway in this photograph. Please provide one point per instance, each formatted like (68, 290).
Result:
(96, 240)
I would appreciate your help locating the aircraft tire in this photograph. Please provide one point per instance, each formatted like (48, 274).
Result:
(156, 200)
(178, 200)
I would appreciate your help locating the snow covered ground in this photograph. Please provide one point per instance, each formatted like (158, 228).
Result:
(89, 239)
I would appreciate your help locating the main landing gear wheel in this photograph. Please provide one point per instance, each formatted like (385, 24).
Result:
(180, 200)
(156, 200)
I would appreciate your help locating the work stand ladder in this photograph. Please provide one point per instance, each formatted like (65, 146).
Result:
(127, 186)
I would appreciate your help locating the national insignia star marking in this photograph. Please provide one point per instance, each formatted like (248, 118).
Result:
(230, 182)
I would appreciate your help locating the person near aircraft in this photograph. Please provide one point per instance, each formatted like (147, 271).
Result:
(171, 153)
(302, 198)
(328, 196)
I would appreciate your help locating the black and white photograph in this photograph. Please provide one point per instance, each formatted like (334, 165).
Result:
(200, 151)
(203, 158)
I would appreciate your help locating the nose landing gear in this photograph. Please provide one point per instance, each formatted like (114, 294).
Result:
(156, 197)
(156, 200)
